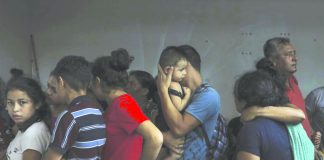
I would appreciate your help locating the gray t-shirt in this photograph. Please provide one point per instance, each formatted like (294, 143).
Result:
(315, 108)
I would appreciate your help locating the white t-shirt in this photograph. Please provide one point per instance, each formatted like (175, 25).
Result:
(36, 137)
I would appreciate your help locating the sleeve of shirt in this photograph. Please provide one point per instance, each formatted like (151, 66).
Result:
(249, 139)
(36, 138)
(64, 133)
(204, 105)
(132, 115)
(315, 100)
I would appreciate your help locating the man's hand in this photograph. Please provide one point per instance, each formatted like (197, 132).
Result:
(174, 144)
(250, 113)
(164, 80)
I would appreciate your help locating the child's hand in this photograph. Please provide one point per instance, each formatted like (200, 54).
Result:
(187, 91)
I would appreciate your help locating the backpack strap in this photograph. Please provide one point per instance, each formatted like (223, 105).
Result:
(220, 131)
(205, 136)
(201, 87)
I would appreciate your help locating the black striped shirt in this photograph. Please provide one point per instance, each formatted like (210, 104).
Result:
(79, 131)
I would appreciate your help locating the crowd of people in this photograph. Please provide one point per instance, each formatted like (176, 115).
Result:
(100, 110)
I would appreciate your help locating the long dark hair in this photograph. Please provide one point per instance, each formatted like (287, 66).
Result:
(264, 64)
(259, 88)
(2, 94)
(147, 81)
(36, 94)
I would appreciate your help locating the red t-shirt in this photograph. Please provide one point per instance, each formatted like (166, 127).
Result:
(296, 98)
(122, 118)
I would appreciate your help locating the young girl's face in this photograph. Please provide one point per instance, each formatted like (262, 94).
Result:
(180, 71)
(20, 106)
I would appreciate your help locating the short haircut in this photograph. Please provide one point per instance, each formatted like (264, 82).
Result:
(112, 70)
(272, 46)
(75, 71)
(259, 88)
(192, 56)
(170, 56)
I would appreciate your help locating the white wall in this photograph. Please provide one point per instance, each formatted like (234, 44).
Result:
(228, 34)
(14, 37)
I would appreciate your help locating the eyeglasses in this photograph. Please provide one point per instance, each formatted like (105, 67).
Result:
(290, 53)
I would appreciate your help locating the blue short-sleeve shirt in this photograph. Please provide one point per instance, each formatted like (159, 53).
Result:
(205, 107)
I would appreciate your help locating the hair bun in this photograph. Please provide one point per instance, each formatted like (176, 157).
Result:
(267, 65)
(120, 59)
(264, 63)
